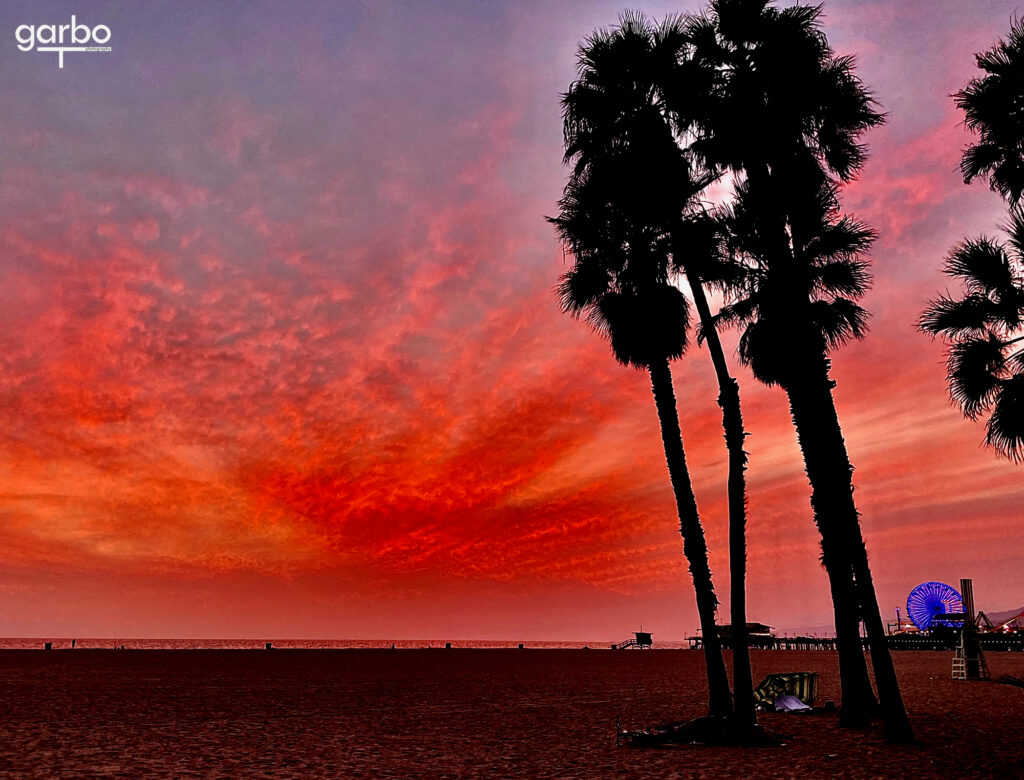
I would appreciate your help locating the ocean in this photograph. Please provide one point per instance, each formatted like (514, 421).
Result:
(58, 643)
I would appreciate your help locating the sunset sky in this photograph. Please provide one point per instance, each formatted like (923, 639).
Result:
(279, 352)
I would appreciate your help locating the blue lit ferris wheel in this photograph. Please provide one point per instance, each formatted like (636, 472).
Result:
(929, 601)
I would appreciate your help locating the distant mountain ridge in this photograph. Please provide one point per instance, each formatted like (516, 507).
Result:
(998, 617)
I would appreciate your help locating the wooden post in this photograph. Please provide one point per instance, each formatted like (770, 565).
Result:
(969, 662)
(967, 591)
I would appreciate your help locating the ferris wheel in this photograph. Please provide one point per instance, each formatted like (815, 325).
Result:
(929, 601)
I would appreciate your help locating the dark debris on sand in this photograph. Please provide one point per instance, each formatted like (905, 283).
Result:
(705, 730)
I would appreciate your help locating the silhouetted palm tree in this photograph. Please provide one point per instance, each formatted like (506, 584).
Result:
(616, 119)
(983, 328)
(994, 108)
(985, 331)
(619, 281)
(754, 66)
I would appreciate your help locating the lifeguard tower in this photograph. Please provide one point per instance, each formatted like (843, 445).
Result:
(969, 661)
(642, 640)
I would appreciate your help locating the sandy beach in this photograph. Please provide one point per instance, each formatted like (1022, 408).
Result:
(452, 713)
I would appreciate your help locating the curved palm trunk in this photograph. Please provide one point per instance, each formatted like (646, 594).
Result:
(831, 476)
(826, 478)
(694, 546)
(732, 424)
(858, 700)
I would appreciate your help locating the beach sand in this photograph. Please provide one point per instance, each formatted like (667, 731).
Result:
(463, 712)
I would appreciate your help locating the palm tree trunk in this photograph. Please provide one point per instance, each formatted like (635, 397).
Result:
(732, 424)
(895, 723)
(831, 476)
(694, 545)
(859, 701)
(844, 517)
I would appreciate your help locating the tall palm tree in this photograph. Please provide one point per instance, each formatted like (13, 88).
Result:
(752, 65)
(985, 331)
(785, 341)
(994, 108)
(616, 115)
(619, 281)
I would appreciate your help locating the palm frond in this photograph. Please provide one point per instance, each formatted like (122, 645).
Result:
(846, 278)
(954, 318)
(697, 244)
(982, 264)
(1005, 428)
(759, 350)
(735, 314)
(732, 315)
(979, 159)
(582, 287)
(848, 109)
(992, 106)
(670, 38)
(1015, 229)
(975, 368)
(646, 326)
(839, 321)
(1016, 359)
(840, 240)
